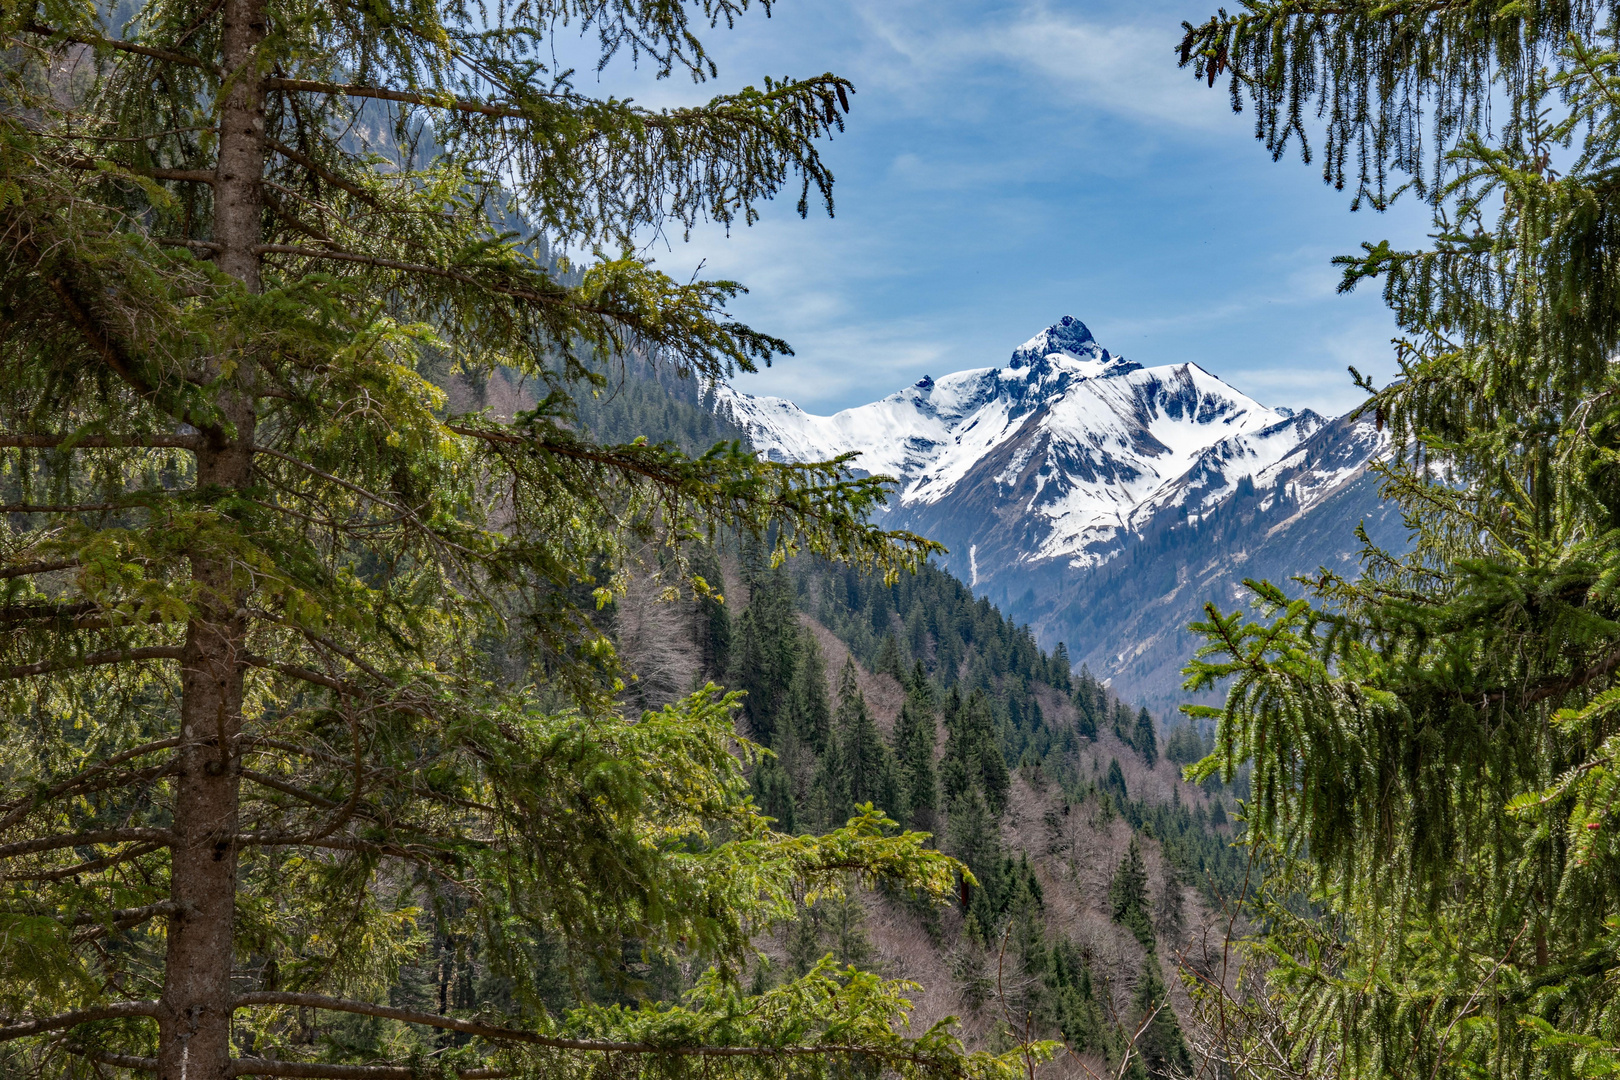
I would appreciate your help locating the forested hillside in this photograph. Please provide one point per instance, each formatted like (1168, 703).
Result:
(1096, 866)
(1097, 869)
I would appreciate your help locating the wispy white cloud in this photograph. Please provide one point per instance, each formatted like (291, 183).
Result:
(1123, 67)
(1011, 161)
(1116, 61)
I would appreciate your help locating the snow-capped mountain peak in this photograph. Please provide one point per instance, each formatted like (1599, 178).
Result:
(1060, 454)
(1069, 344)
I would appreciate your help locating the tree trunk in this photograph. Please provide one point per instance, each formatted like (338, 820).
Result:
(195, 1020)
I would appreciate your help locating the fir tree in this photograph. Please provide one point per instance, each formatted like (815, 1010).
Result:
(1089, 703)
(1184, 746)
(890, 661)
(1432, 739)
(957, 768)
(1060, 678)
(773, 791)
(828, 801)
(766, 653)
(258, 563)
(915, 736)
(1163, 1049)
(714, 618)
(1124, 723)
(1073, 1010)
(973, 747)
(1170, 910)
(1145, 739)
(809, 712)
(1128, 896)
(972, 835)
(866, 765)
(1115, 781)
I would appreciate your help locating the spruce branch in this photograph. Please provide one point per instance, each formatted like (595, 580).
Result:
(95, 659)
(89, 838)
(18, 1028)
(121, 442)
(90, 866)
(601, 1046)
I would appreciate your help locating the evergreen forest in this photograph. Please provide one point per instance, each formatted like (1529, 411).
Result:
(914, 697)
(404, 675)
(919, 699)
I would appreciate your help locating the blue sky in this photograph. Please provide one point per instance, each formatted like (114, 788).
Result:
(1008, 163)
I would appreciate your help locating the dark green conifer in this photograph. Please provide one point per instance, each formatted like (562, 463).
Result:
(1060, 667)
(915, 736)
(1145, 738)
(867, 772)
(810, 713)
(980, 745)
(1073, 1008)
(766, 652)
(956, 770)
(890, 660)
(973, 836)
(1089, 703)
(304, 651)
(1433, 735)
(973, 751)
(1170, 909)
(714, 617)
(1163, 1049)
(1115, 780)
(1128, 896)
(773, 793)
(1124, 722)
(1184, 746)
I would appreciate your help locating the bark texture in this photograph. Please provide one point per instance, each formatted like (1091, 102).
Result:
(195, 1010)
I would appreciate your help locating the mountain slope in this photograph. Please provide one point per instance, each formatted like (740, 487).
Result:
(1043, 474)
(1127, 620)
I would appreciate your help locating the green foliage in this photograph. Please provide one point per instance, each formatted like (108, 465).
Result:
(889, 661)
(714, 634)
(974, 837)
(915, 737)
(1396, 84)
(765, 653)
(1160, 1044)
(1184, 745)
(1071, 998)
(1145, 738)
(1047, 978)
(809, 713)
(1128, 901)
(825, 1007)
(1115, 780)
(973, 759)
(958, 638)
(1091, 702)
(1431, 744)
(862, 764)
